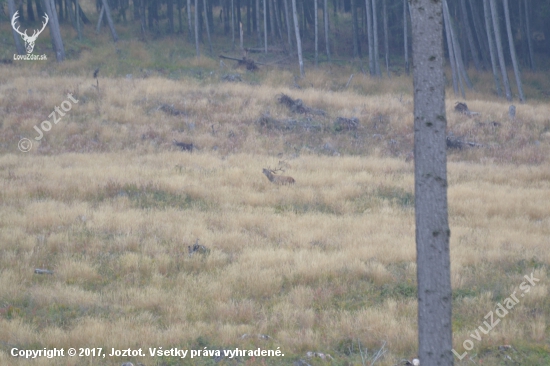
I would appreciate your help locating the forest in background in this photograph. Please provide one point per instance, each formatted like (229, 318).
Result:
(488, 35)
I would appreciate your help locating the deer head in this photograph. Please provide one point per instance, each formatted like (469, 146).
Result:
(29, 40)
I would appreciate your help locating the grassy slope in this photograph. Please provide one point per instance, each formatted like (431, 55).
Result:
(107, 203)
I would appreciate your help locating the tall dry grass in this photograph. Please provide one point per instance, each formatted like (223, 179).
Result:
(110, 205)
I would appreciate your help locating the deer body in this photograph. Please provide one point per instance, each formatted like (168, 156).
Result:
(278, 179)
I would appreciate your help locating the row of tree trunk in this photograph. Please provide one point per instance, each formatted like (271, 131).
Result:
(473, 29)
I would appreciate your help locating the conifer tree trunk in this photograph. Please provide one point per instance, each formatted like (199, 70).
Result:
(500, 52)
(189, 23)
(355, 32)
(265, 26)
(528, 33)
(405, 36)
(298, 39)
(180, 20)
(430, 187)
(316, 15)
(386, 40)
(456, 46)
(110, 20)
(258, 31)
(469, 35)
(492, 51)
(271, 20)
(53, 23)
(452, 58)
(327, 38)
(197, 28)
(368, 8)
(480, 35)
(233, 23)
(288, 27)
(375, 35)
(513, 51)
(278, 22)
(207, 26)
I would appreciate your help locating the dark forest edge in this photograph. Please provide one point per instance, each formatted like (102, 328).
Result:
(371, 37)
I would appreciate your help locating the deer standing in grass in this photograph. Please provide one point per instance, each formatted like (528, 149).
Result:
(278, 179)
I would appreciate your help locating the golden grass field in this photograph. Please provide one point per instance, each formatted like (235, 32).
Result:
(326, 265)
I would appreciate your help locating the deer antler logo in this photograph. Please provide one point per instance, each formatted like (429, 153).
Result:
(29, 41)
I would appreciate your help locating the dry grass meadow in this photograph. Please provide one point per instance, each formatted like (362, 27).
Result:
(326, 265)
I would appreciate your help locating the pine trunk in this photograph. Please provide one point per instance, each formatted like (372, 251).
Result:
(288, 29)
(258, 30)
(298, 39)
(189, 22)
(197, 28)
(452, 58)
(386, 40)
(492, 51)
(513, 51)
(481, 39)
(500, 52)
(528, 33)
(207, 26)
(469, 35)
(265, 26)
(375, 35)
(430, 169)
(368, 6)
(316, 15)
(405, 36)
(327, 38)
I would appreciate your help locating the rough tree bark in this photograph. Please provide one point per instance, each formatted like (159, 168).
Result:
(513, 51)
(298, 39)
(500, 52)
(430, 160)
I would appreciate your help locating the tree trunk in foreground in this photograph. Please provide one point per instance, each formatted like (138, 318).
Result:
(432, 226)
